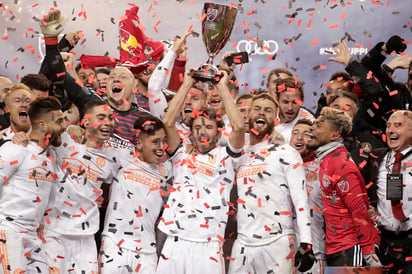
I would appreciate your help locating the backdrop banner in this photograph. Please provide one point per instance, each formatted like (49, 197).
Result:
(296, 34)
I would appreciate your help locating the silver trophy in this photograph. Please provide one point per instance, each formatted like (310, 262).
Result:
(216, 30)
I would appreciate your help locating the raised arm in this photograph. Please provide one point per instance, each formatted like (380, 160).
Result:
(175, 106)
(157, 100)
(237, 138)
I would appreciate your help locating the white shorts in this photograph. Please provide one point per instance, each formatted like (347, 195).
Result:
(117, 260)
(21, 252)
(71, 254)
(276, 257)
(181, 257)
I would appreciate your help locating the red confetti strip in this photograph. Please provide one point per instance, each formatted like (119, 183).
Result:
(394, 92)
(299, 102)
(69, 204)
(315, 42)
(14, 162)
(266, 70)
(120, 242)
(254, 131)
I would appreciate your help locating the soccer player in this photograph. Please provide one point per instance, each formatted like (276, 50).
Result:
(135, 203)
(72, 216)
(27, 176)
(195, 215)
(300, 137)
(272, 193)
(350, 233)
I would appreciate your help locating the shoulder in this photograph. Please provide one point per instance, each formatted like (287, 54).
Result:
(305, 114)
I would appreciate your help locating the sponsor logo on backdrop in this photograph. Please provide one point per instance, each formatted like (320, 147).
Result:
(265, 47)
(353, 51)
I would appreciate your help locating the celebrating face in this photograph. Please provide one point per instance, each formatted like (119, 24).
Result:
(205, 134)
(289, 105)
(399, 130)
(56, 125)
(99, 123)
(262, 117)
(195, 100)
(322, 132)
(152, 147)
(17, 105)
(299, 139)
(120, 87)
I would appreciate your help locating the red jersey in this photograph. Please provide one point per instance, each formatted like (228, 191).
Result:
(345, 204)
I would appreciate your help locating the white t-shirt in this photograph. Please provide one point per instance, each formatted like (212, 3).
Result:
(286, 128)
(197, 206)
(26, 176)
(271, 185)
(72, 208)
(135, 204)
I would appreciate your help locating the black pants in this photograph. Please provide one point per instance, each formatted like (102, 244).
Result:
(396, 251)
(347, 257)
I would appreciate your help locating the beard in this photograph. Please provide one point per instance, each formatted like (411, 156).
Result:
(262, 132)
(55, 140)
(313, 146)
(204, 147)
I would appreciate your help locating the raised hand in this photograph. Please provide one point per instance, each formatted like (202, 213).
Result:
(342, 54)
(52, 24)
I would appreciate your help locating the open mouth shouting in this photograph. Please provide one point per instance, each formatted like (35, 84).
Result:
(187, 110)
(23, 116)
(260, 124)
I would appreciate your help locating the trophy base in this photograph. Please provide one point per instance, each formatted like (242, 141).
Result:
(207, 73)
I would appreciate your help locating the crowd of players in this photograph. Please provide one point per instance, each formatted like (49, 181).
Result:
(106, 171)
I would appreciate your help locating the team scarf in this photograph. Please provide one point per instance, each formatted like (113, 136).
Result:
(323, 151)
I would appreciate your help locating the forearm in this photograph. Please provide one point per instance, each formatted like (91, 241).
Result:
(157, 100)
(176, 77)
(176, 104)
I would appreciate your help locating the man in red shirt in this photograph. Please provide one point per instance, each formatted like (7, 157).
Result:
(350, 233)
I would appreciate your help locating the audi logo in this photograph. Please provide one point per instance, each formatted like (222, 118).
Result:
(267, 47)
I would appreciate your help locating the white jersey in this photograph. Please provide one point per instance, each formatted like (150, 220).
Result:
(316, 206)
(7, 134)
(26, 176)
(286, 128)
(271, 185)
(197, 206)
(135, 203)
(72, 208)
(185, 133)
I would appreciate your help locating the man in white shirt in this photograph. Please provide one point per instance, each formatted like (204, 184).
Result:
(290, 95)
(195, 215)
(27, 176)
(135, 203)
(299, 139)
(72, 216)
(271, 185)
(390, 191)
(272, 192)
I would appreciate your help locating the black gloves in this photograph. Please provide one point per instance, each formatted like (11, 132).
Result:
(304, 257)
(395, 43)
